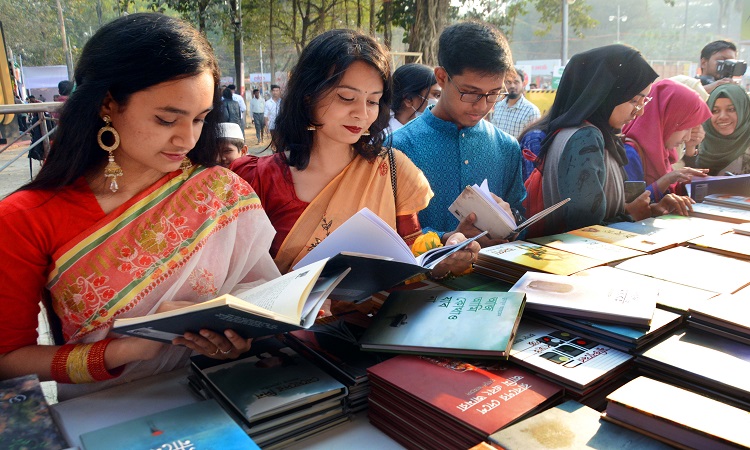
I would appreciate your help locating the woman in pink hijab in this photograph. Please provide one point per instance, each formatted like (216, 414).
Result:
(651, 140)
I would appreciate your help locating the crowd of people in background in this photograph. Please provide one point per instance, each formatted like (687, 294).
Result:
(148, 200)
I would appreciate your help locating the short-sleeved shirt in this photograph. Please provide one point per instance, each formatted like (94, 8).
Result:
(271, 112)
(513, 119)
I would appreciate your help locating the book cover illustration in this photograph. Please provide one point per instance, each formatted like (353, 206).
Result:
(571, 426)
(573, 360)
(591, 248)
(732, 201)
(640, 236)
(472, 323)
(484, 397)
(587, 297)
(536, 257)
(272, 380)
(202, 425)
(25, 419)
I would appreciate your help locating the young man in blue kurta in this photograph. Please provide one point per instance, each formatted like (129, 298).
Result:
(451, 142)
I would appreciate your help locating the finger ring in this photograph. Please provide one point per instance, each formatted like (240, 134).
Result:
(225, 352)
(216, 352)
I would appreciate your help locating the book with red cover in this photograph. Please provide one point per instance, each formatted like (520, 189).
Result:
(472, 401)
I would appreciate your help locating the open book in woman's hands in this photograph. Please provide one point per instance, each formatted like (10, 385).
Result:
(491, 217)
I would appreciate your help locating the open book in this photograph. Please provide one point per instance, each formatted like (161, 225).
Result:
(490, 216)
(290, 302)
(377, 256)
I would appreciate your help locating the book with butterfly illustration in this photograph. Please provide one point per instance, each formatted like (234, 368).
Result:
(378, 257)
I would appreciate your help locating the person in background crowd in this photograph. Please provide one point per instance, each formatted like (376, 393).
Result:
(582, 156)
(711, 53)
(241, 102)
(725, 148)
(451, 142)
(128, 216)
(514, 113)
(257, 108)
(271, 111)
(414, 89)
(230, 109)
(651, 139)
(329, 161)
(231, 143)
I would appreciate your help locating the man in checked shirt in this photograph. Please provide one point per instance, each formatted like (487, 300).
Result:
(514, 113)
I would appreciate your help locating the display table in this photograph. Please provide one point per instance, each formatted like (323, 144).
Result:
(170, 390)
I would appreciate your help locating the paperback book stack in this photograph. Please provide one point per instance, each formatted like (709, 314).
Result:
(510, 261)
(703, 362)
(726, 316)
(332, 344)
(429, 402)
(678, 417)
(276, 395)
(585, 368)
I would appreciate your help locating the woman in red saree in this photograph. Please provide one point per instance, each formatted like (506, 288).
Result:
(151, 226)
(330, 161)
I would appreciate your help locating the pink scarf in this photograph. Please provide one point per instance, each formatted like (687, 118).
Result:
(674, 107)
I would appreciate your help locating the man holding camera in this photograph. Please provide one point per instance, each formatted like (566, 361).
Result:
(718, 64)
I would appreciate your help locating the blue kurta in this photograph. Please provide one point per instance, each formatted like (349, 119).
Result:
(452, 159)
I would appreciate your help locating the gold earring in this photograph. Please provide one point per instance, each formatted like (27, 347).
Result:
(366, 133)
(311, 128)
(185, 166)
(112, 170)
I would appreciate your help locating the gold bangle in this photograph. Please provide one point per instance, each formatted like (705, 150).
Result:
(77, 366)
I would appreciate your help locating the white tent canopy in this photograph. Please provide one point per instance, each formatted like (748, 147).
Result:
(44, 76)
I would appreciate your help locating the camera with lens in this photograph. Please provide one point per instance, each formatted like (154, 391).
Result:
(729, 68)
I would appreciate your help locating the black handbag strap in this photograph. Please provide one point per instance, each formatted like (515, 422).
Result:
(392, 163)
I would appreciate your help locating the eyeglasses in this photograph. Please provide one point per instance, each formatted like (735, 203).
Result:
(637, 106)
(470, 97)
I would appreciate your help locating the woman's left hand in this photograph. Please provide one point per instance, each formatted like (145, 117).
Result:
(458, 262)
(228, 345)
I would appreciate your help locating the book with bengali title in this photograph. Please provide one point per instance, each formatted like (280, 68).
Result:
(590, 248)
(436, 323)
(678, 417)
(454, 400)
(378, 258)
(691, 267)
(194, 426)
(587, 297)
(578, 363)
(25, 419)
(571, 426)
(508, 262)
(289, 302)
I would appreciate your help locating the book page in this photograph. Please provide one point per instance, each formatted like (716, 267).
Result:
(285, 295)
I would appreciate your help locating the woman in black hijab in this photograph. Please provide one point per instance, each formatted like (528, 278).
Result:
(582, 156)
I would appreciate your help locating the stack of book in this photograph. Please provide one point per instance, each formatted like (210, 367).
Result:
(582, 366)
(720, 212)
(726, 315)
(590, 248)
(703, 362)
(277, 396)
(677, 417)
(571, 426)
(510, 261)
(425, 402)
(333, 344)
(734, 245)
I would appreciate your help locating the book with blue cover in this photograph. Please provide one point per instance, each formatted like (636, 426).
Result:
(202, 425)
(448, 323)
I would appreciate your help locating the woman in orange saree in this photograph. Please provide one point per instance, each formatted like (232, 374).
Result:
(151, 226)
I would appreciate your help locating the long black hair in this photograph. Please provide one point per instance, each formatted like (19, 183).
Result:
(410, 80)
(319, 69)
(126, 56)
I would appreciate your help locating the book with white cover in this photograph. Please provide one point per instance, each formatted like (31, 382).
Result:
(587, 297)
(377, 256)
(491, 217)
